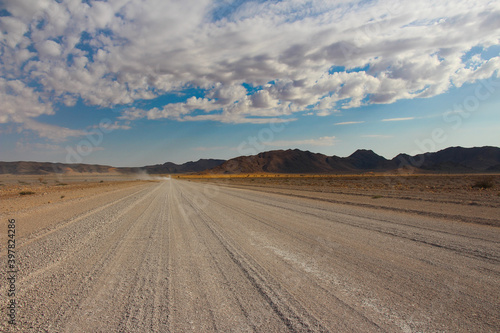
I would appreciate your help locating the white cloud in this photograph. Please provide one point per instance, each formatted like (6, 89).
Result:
(47, 147)
(13, 30)
(19, 102)
(51, 132)
(49, 48)
(484, 70)
(133, 114)
(349, 123)
(399, 119)
(323, 113)
(119, 52)
(113, 126)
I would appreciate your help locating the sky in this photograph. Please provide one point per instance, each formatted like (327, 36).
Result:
(142, 82)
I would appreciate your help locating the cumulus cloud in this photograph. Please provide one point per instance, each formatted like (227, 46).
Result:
(49, 48)
(254, 61)
(19, 102)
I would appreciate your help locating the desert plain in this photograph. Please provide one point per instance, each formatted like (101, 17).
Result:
(254, 252)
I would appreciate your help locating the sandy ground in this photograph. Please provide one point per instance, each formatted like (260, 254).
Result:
(186, 256)
(46, 199)
(456, 197)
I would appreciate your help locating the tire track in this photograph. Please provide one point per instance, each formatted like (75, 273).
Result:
(172, 257)
(151, 277)
(378, 268)
(122, 277)
(74, 279)
(394, 229)
(454, 217)
(95, 230)
(339, 303)
(64, 224)
(293, 315)
(190, 306)
(251, 311)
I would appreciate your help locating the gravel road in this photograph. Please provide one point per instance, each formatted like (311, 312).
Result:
(179, 256)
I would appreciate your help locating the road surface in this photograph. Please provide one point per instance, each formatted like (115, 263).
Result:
(179, 256)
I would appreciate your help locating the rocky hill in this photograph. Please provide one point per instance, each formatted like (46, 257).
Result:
(449, 160)
(41, 168)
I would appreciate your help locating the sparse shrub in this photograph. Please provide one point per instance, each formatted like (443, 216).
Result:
(62, 184)
(62, 196)
(484, 183)
(102, 181)
(376, 197)
(26, 192)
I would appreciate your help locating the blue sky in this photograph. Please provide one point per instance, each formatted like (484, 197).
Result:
(144, 82)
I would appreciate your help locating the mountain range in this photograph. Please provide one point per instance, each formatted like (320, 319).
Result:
(41, 168)
(449, 160)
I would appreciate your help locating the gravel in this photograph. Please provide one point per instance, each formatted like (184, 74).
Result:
(179, 256)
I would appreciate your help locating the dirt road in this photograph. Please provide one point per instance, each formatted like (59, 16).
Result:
(179, 256)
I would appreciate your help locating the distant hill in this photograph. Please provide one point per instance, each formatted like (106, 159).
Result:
(449, 160)
(277, 161)
(41, 168)
(188, 167)
(298, 161)
(459, 159)
(367, 160)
